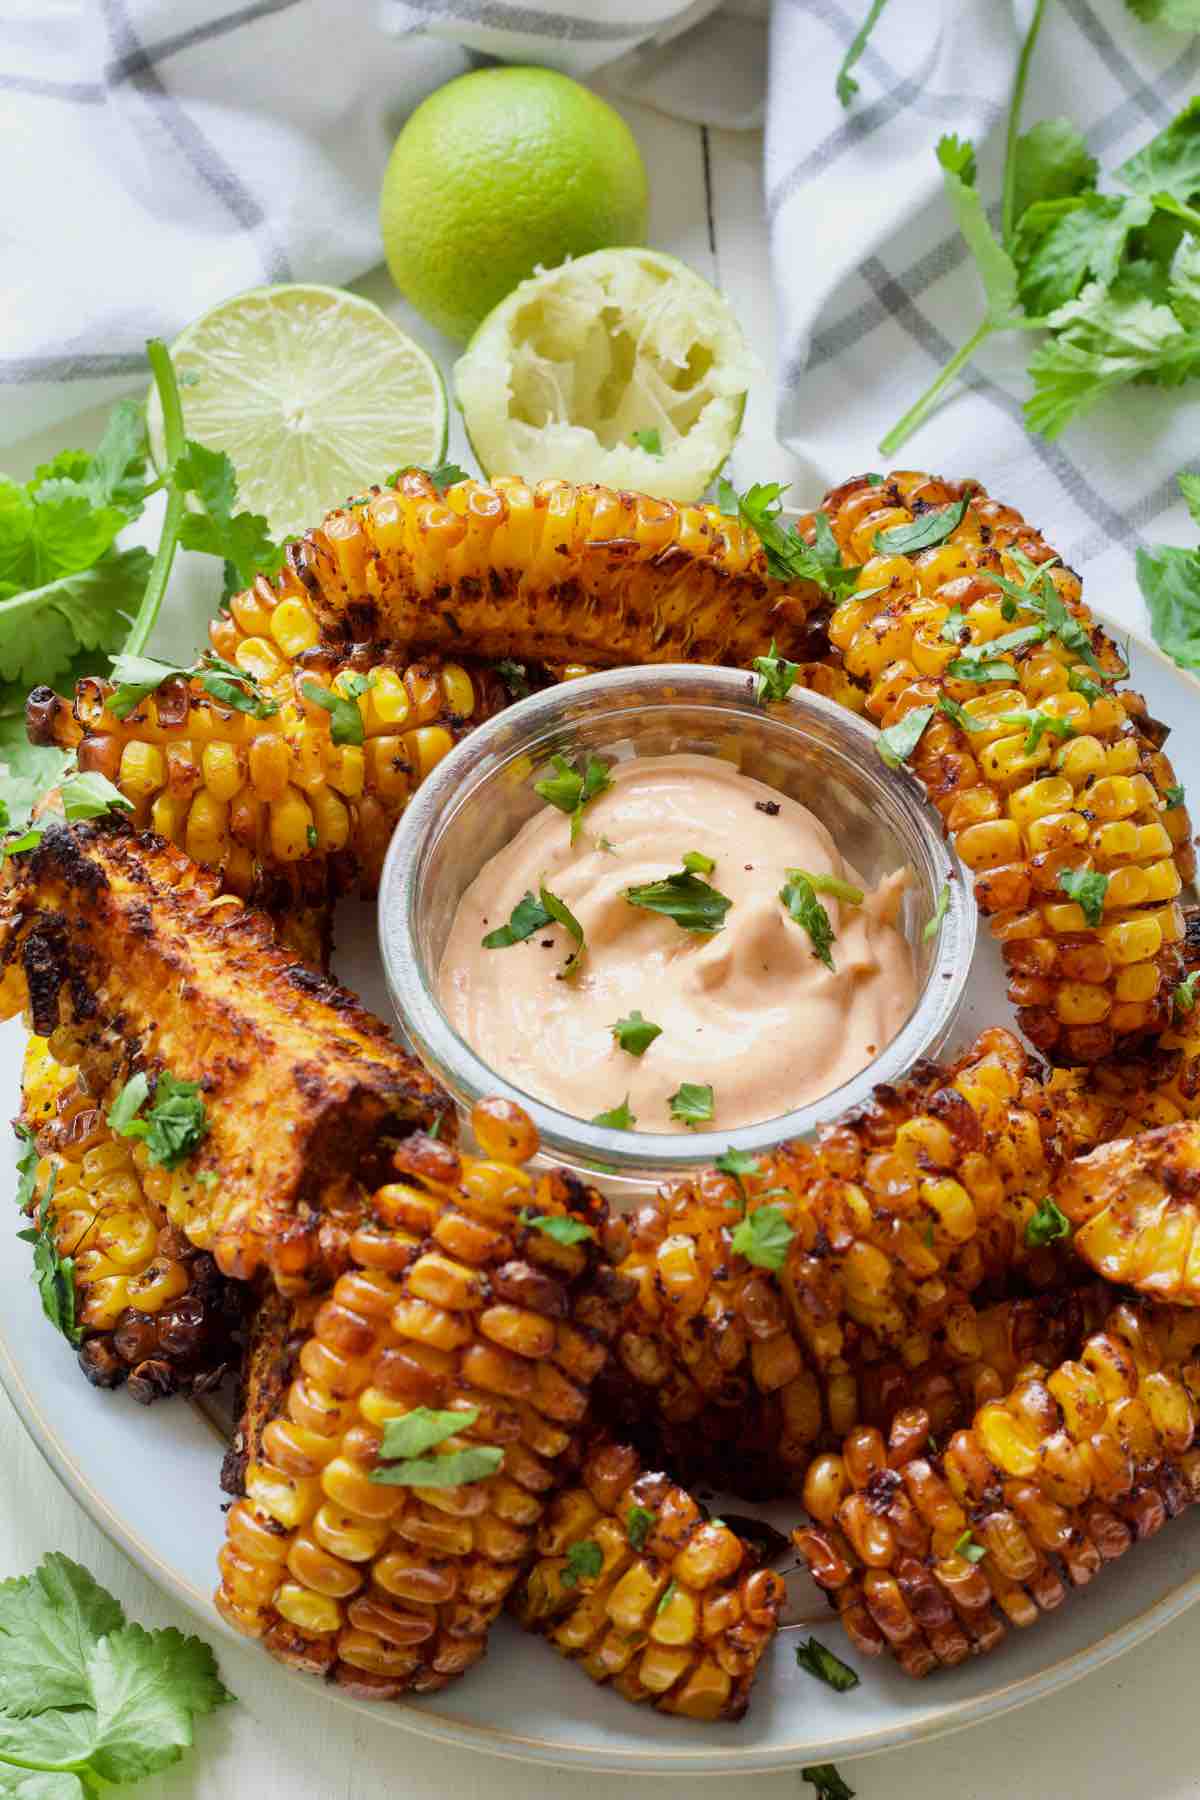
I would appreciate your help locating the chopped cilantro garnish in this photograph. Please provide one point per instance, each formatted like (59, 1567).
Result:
(560, 1226)
(697, 863)
(639, 1522)
(815, 1659)
(690, 902)
(763, 1237)
(527, 916)
(897, 742)
(1087, 887)
(635, 1034)
(692, 1103)
(560, 912)
(571, 789)
(618, 1118)
(1183, 996)
(927, 529)
(933, 924)
(345, 718)
(584, 1562)
(1045, 1225)
(832, 884)
(776, 676)
(174, 1125)
(968, 1548)
(802, 905)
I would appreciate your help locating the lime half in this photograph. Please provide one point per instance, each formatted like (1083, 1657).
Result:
(311, 392)
(623, 366)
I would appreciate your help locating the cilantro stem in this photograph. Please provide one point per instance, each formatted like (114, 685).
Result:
(1188, 217)
(920, 410)
(176, 443)
(1007, 221)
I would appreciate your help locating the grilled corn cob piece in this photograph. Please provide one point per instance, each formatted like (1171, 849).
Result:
(894, 1216)
(1135, 1206)
(933, 1556)
(290, 804)
(123, 950)
(550, 573)
(634, 1583)
(1084, 790)
(452, 1301)
(155, 1313)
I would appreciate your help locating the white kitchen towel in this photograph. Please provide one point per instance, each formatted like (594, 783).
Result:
(875, 286)
(159, 155)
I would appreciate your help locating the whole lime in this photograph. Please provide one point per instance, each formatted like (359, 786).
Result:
(500, 172)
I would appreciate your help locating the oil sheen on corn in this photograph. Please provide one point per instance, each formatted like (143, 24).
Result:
(748, 1010)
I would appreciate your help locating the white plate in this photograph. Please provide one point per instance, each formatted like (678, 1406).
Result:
(149, 1480)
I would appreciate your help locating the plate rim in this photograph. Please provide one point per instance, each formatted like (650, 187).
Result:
(408, 1714)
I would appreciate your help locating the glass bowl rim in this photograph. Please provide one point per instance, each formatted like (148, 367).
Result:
(563, 1136)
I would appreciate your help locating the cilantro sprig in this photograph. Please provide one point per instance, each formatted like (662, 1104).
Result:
(571, 789)
(86, 1698)
(173, 1125)
(68, 594)
(1109, 278)
(693, 904)
(53, 1272)
(138, 676)
(403, 1459)
(789, 558)
(801, 905)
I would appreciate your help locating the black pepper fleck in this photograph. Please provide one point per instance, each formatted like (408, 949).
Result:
(770, 807)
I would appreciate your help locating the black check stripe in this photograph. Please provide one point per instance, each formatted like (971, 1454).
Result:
(138, 60)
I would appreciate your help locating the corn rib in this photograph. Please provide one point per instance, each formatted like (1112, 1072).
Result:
(549, 573)
(290, 807)
(155, 1313)
(1040, 770)
(125, 953)
(932, 1556)
(895, 1216)
(452, 1301)
(636, 1585)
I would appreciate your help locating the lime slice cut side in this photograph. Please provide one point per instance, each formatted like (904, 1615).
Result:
(563, 373)
(313, 393)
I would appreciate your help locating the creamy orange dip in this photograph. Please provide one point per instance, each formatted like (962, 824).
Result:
(747, 1010)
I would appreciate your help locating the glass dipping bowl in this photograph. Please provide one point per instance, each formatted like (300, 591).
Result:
(806, 747)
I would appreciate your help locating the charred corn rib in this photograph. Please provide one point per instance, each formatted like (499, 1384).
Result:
(296, 803)
(886, 1223)
(1053, 775)
(637, 1586)
(126, 955)
(156, 1314)
(1135, 1206)
(551, 573)
(933, 1556)
(451, 1302)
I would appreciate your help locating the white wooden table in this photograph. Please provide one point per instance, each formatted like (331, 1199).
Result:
(1132, 1729)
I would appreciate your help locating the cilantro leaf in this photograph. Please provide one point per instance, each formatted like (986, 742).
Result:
(42, 628)
(1051, 162)
(801, 904)
(242, 540)
(927, 529)
(1189, 487)
(1169, 578)
(897, 742)
(845, 86)
(635, 1034)
(571, 789)
(562, 1227)
(175, 1124)
(442, 475)
(345, 716)
(1103, 339)
(788, 557)
(138, 676)
(423, 1429)
(828, 1783)
(816, 1659)
(1061, 243)
(27, 1162)
(968, 1548)
(832, 884)
(514, 676)
(738, 1163)
(692, 1103)
(1176, 15)
(79, 1686)
(617, 1118)
(1087, 887)
(763, 1237)
(697, 863)
(1045, 1225)
(776, 676)
(1170, 162)
(693, 904)
(1037, 723)
(961, 717)
(455, 1469)
(639, 1522)
(997, 271)
(561, 914)
(1183, 995)
(585, 1560)
(527, 916)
